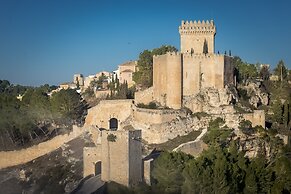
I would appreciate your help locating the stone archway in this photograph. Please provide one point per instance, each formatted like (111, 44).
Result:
(98, 168)
(113, 124)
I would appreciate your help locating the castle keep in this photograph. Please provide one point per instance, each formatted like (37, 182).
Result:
(176, 75)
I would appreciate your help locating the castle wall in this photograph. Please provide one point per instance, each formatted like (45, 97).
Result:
(167, 78)
(135, 158)
(13, 158)
(147, 171)
(100, 114)
(201, 71)
(153, 116)
(121, 160)
(145, 96)
(257, 118)
(160, 78)
(174, 82)
(91, 155)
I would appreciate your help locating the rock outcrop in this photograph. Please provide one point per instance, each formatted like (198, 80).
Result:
(257, 96)
(212, 100)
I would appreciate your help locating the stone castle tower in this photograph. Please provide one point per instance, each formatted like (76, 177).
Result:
(176, 75)
(197, 37)
(117, 159)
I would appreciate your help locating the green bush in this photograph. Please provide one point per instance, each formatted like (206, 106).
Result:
(111, 138)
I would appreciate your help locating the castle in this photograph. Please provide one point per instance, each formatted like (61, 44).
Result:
(177, 75)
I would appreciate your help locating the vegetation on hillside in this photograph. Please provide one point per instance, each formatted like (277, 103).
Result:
(222, 168)
(278, 111)
(22, 121)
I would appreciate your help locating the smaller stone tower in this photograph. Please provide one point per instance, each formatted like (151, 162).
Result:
(121, 156)
(197, 37)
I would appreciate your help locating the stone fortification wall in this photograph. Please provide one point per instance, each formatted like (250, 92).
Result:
(145, 96)
(12, 158)
(194, 34)
(167, 79)
(202, 71)
(91, 155)
(257, 118)
(100, 114)
(122, 158)
(155, 116)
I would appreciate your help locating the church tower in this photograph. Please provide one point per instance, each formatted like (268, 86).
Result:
(197, 37)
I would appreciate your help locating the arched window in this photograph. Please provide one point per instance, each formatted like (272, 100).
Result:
(113, 124)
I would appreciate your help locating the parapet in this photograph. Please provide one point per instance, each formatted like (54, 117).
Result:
(202, 56)
(197, 27)
(168, 54)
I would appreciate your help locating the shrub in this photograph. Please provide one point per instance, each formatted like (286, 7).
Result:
(111, 138)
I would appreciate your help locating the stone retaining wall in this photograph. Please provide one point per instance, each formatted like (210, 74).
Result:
(16, 157)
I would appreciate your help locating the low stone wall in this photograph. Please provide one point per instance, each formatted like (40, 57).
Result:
(13, 158)
(257, 118)
(155, 116)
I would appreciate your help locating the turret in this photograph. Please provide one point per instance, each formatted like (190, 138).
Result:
(196, 36)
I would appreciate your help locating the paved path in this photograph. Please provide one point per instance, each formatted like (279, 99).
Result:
(190, 142)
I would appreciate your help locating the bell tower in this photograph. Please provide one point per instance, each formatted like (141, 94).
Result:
(197, 37)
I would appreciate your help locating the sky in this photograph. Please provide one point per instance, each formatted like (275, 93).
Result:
(48, 41)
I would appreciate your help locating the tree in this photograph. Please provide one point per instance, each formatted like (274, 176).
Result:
(281, 70)
(144, 75)
(168, 171)
(286, 113)
(4, 84)
(265, 73)
(67, 105)
(244, 71)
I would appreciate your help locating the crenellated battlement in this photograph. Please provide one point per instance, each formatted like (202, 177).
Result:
(168, 54)
(202, 56)
(193, 27)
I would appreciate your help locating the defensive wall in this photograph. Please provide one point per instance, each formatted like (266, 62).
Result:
(202, 71)
(91, 155)
(176, 75)
(118, 157)
(13, 158)
(155, 116)
(100, 114)
(257, 117)
(167, 79)
(145, 96)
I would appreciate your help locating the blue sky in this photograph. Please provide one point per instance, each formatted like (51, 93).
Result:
(47, 41)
